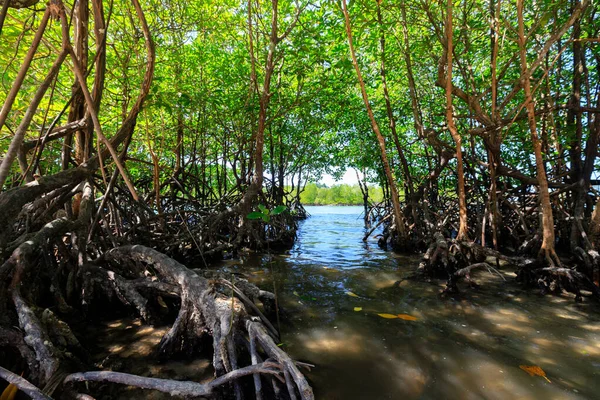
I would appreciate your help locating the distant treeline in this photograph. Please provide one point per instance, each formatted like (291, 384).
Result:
(342, 194)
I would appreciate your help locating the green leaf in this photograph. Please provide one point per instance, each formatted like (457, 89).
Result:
(278, 210)
(266, 218)
(263, 209)
(255, 215)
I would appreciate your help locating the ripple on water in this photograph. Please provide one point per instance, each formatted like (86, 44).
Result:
(456, 349)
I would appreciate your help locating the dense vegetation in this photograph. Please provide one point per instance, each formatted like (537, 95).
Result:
(166, 124)
(338, 194)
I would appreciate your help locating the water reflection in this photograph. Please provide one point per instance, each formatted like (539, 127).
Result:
(457, 349)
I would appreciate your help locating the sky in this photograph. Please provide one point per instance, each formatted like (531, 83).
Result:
(348, 178)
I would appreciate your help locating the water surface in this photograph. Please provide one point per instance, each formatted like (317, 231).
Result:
(468, 348)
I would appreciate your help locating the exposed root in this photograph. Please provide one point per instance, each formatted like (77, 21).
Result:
(23, 384)
(173, 387)
(555, 280)
(204, 311)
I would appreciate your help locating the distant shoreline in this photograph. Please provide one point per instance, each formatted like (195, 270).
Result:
(333, 205)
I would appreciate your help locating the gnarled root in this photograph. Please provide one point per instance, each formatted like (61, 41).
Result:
(204, 311)
(554, 280)
(435, 256)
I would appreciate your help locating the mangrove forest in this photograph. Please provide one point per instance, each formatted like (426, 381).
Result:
(160, 164)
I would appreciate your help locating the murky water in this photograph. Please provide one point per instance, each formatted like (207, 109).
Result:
(456, 349)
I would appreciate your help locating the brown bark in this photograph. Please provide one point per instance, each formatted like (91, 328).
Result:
(12, 95)
(392, 121)
(265, 97)
(547, 248)
(398, 215)
(411, 80)
(15, 144)
(80, 51)
(462, 202)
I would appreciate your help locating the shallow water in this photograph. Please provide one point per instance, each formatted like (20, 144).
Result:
(456, 349)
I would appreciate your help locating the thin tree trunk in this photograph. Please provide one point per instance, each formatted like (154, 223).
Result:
(12, 95)
(265, 96)
(574, 120)
(462, 202)
(398, 216)
(392, 121)
(17, 140)
(547, 249)
(411, 80)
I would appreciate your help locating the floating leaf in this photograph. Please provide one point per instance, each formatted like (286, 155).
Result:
(296, 293)
(534, 370)
(357, 308)
(388, 316)
(9, 393)
(407, 317)
(352, 294)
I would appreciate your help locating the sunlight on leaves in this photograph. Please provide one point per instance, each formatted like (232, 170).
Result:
(534, 370)
(357, 308)
(254, 215)
(278, 210)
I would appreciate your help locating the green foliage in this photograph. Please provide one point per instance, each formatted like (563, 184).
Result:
(265, 213)
(204, 96)
(341, 194)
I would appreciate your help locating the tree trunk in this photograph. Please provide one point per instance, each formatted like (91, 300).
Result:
(462, 202)
(401, 241)
(392, 121)
(547, 250)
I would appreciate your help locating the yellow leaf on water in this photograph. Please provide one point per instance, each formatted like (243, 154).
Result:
(407, 317)
(9, 393)
(352, 294)
(357, 308)
(388, 316)
(534, 370)
(296, 293)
